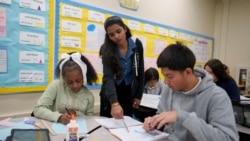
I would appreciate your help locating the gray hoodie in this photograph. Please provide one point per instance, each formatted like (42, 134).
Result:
(204, 114)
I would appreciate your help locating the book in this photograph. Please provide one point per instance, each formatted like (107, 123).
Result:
(135, 130)
(111, 123)
(137, 133)
(150, 100)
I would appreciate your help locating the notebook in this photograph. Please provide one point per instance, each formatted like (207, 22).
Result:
(150, 100)
(136, 132)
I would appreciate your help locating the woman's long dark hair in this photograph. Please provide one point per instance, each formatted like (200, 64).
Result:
(218, 68)
(108, 51)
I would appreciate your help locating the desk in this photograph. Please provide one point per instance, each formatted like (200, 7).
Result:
(101, 134)
(244, 133)
(243, 129)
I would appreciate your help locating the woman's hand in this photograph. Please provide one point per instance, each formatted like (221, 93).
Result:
(136, 103)
(116, 111)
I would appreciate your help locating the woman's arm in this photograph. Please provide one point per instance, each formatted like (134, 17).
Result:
(109, 84)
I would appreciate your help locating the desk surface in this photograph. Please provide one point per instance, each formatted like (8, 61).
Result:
(243, 129)
(100, 134)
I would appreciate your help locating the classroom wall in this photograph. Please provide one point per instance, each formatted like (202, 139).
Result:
(232, 33)
(206, 17)
(191, 15)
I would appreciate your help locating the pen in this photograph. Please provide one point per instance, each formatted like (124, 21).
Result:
(94, 129)
(125, 125)
(67, 111)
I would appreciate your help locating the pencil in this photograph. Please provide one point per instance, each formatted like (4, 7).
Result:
(38, 125)
(67, 111)
(125, 125)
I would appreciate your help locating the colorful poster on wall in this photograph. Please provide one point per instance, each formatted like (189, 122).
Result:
(24, 34)
(80, 28)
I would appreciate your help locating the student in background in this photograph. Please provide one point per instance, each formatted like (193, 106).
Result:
(123, 69)
(227, 69)
(193, 108)
(68, 91)
(222, 79)
(152, 85)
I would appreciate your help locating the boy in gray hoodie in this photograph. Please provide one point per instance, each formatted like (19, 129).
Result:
(193, 108)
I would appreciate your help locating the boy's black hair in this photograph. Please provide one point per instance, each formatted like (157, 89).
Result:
(176, 57)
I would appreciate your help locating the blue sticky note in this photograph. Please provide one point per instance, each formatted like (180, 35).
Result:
(91, 27)
(60, 128)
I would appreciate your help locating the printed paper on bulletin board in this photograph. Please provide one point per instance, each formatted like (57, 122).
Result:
(26, 45)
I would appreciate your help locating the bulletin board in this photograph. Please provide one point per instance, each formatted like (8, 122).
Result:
(33, 35)
(80, 28)
(26, 45)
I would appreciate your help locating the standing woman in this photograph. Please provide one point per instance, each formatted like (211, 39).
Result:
(222, 79)
(123, 70)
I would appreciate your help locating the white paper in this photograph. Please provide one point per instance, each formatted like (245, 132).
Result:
(137, 133)
(173, 34)
(95, 34)
(159, 45)
(5, 1)
(31, 57)
(149, 28)
(163, 31)
(3, 60)
(71, 11)
(190, 37)
(31, 76)
(31, 38)
(31, 20)
(69, 41)
(71, 26)
(134, 25)
(183, 36)
(33, 4)
(96, 16)
(117, 123)
(150, 100)
(201, 50)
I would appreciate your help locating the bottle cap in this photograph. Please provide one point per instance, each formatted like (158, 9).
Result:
(73, 117)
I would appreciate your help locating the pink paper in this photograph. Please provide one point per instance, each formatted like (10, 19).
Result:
(2, 22)
(6, 122)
